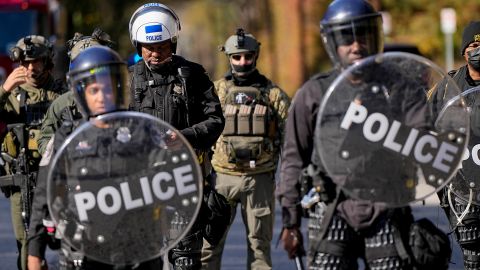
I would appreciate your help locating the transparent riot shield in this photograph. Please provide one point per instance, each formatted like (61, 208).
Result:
(124, 188)
(381, 133)
(466, 183)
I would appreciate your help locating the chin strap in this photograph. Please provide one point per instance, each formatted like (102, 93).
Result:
(464, 213)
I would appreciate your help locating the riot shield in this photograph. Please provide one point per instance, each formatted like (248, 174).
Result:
(124, 188)
(381, 133)
(466, 183)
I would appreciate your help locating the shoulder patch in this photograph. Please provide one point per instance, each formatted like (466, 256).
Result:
(48, 152)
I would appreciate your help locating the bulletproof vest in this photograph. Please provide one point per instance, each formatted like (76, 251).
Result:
(165, 96)
(31, 115)
(162, 95)
(249, 125)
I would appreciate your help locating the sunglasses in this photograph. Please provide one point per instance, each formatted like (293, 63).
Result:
(348, 36)
(247, 56)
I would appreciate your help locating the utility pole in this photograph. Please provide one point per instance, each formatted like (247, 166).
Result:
(449, 26)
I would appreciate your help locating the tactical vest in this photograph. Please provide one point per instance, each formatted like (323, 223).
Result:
(247, 141)
(166, 97)
(31, 115)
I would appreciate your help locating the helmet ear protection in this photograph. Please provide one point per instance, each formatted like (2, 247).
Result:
(16, 54)
(150, 16)
(33, 47)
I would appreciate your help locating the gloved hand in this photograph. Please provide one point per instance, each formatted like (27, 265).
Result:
(293, 242)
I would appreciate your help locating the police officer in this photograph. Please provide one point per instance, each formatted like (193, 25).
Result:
(24, 98)
(64, 106)
(90, 77)
(340, 229)
(466, 229)
(246, 154)
(178, 92)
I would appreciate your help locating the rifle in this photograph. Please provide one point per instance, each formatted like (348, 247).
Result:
(21, 175)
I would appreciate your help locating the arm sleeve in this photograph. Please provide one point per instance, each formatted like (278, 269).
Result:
(204, 134)
(49, 125)
(297, 151)
(280, 102)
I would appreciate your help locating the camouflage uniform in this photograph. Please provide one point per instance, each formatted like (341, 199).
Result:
(12, 107)
(251, 186)
(63, 108)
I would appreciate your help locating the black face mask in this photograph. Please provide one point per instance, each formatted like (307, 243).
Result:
(244, 68)
(474, 58)
(163, 67)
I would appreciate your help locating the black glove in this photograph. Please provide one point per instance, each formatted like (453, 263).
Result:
(219, 214)
(292, 242)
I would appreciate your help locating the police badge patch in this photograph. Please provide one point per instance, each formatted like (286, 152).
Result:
(123, 134)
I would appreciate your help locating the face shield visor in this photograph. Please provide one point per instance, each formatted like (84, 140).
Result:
(366, 31)
(101, 90)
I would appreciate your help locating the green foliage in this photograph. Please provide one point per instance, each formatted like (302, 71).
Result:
(208, 23)
(418, 22)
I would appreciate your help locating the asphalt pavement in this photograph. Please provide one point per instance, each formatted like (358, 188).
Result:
(234, 257)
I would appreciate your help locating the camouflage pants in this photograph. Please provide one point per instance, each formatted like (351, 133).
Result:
(19, 229)
(255, 193)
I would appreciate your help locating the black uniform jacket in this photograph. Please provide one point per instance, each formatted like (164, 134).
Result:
(299, 142)
(196, 112)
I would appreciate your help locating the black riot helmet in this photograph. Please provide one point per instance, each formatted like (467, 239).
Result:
(99, 70)
(349, 21)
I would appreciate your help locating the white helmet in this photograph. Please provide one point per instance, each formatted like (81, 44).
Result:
(153, 23)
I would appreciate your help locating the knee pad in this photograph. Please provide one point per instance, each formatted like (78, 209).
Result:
(380, 248)
(468, 233)
(186, 255)
(471, 259)
(340, 247)
(330, 261)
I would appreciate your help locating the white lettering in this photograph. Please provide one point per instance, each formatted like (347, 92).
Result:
(390, 139)
(418, 152)
(475, 154)
(109, 198)
(84, 201)
(146, 191)
(157, 186)
(356, 113)
(183, 175)
(444, 153)
(381, 131)
(376, 127)
(127, 197)
(412, 136)
(102, 201)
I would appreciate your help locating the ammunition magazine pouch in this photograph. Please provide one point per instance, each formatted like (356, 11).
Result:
(9, 146)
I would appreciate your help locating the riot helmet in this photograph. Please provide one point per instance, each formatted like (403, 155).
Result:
(33, 47)
(154, 23)
(239, 43)
(348, 21)
(99, 80)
